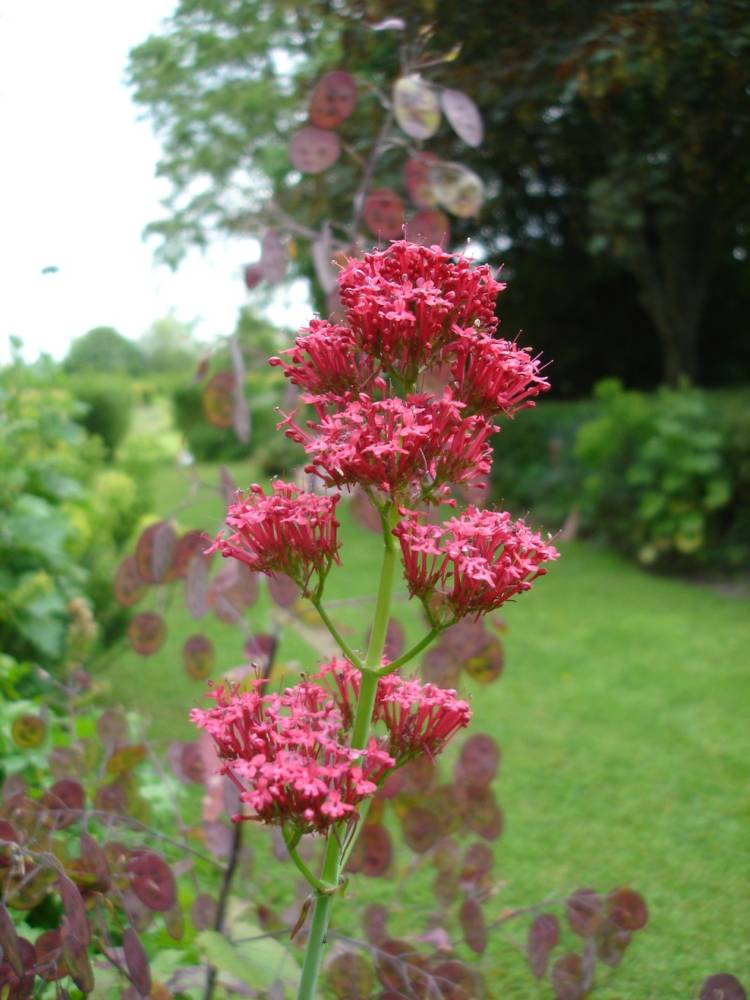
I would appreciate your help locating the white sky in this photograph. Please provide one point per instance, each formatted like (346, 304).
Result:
(77, 187)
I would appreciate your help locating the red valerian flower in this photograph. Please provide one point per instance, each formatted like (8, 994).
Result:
(409, 448)
(287, 531)
(471, 564)
(403, 302)
(493, 376)
(284, 753)
(419, 718)
(326, 362)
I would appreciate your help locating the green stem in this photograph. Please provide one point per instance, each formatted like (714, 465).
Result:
(318, 884)
(333, 860)
(409, 654)
(343, 645)
(352, 840)
(319, 924)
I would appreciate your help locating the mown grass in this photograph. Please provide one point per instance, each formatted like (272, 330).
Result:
(623, 718)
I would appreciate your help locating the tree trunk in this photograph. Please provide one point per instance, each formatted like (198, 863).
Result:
(673, 268)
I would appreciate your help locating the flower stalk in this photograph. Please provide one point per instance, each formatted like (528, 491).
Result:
(405, 392)
(334, 856)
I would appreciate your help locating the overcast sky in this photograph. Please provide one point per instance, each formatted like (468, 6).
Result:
(77, 187)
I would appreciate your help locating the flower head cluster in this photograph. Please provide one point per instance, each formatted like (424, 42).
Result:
(405, 448)
(404, 392)
(493, 376)
(326, 363)
(285, 754)
(472, 563)
(418, 718)
(412, 313)
(403, 303)
(287, 531)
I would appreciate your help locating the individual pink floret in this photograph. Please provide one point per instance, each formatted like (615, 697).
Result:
(287, 531)
(471, 564)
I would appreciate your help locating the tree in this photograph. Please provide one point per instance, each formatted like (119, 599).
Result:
(219, 85)
(103, 349)
(617, 135)
(621, 129)
(169, 346)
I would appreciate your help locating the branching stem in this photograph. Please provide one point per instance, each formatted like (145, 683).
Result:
(335, 853)
(410, 653)
(342, 643)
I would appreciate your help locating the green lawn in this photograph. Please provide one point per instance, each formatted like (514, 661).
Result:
(623, 717)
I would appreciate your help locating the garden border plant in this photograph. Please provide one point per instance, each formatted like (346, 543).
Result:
(303, 759)
(307, 760)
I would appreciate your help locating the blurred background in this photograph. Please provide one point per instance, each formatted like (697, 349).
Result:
(180, 182)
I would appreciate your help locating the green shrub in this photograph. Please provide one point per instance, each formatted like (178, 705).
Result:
(207, 443)
(104, 350)
(108, 406)
(535, 469)
(666, 476)
(63, 518)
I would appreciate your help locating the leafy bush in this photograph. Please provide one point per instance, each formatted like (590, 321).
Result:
(667, 476)
(104, 350)
(108, 406)
(664, 477)
(63, 517)
(535, 468)
(210, 443)
(205, 442)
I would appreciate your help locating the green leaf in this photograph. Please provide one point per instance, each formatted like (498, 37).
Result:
(37, 526)
(718, 493)
(46, 634)
(257, 963)
(651, 504)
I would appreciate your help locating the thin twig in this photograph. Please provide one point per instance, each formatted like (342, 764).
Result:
(343, 644)
(221, 909)
(410, 653)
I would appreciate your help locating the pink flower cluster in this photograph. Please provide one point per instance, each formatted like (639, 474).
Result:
(471, 564)
(493, 376)
(419, 718)
(286, 755)
(403, 304)
(326, 363)
(288, 531)
(404, 392)
(411, 312)
(413, 447)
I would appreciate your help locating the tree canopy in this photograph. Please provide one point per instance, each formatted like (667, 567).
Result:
(169, 345)
(103, 349)
(616, 156)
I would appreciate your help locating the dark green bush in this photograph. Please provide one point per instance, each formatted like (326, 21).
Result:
(207, 443)
(108, 401)
(664, 477)
(667, 476)
(535, 469)
(104, 350)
